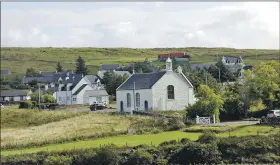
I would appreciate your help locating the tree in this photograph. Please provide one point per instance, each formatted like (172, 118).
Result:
(225, 74)
(35, 96)
(81, 66)
(112, 81)
(48, 98)
(59, 67)
(30, 72)
(264, 82)
(209, 103)
(199, 76)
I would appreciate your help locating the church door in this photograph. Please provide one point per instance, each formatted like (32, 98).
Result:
(121, 106)
(146, 105)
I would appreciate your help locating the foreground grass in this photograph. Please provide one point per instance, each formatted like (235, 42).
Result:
(150, 139)
(48, 127)
(11, 117)
(128, 140)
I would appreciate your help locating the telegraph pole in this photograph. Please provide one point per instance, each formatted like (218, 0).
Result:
(133, 98)
(219, 75)
(39, 97)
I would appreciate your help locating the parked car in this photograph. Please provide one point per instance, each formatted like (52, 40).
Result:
(97, 105)
(273, 113)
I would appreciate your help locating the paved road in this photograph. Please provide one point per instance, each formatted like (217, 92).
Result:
(232, 123)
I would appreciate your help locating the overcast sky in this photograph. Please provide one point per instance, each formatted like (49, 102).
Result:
(140, 25)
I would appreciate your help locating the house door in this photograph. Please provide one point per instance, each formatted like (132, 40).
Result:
(121, 106)
(146, 105)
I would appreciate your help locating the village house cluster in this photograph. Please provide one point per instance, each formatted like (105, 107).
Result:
(161, 89)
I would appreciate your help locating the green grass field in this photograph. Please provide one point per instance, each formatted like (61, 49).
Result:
(149, 139)
(45, 59)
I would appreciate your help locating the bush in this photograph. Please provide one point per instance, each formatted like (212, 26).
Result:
(140, 158)
(26, 104)
(207, 137)
(175, 124)
(196, 153)
(58, 160)
(49, 98)
(106, 156)
(168, 143)
(185, 140)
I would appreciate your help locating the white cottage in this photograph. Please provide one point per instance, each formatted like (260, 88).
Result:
(166, 90)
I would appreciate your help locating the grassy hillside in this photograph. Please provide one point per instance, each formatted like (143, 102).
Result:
(25, 128)
(45, 59)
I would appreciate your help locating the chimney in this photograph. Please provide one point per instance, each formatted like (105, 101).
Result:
(72, 72)
(133, 71)
(40, 72)
(56, 71)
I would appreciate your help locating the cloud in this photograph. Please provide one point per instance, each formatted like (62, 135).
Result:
(144, 25)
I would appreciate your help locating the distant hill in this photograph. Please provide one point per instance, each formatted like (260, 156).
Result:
(45, 59)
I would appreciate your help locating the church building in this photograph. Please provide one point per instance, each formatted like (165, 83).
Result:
(164, 90)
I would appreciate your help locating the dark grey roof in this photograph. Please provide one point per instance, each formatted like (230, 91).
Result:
(142, 81)
(6, 71)
(96, 93)
(13, 93)
(73, 78)
(200, 66)
(109, 67)
(80, 89)
(232, 59)
(38, 79)
(47, 74)
(92, 78)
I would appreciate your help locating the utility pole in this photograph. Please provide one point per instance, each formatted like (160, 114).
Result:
(219, 75)
(133, 98)
(205, 77)
(39, 97)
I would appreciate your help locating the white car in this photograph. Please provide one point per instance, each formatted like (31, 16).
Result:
(273, 113)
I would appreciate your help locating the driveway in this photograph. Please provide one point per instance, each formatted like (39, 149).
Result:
(233, 123)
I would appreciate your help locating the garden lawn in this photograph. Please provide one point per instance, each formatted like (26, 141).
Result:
(130, 140)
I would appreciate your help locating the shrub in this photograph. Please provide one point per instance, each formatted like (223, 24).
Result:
(49, 98)
(196, 153)
(58, 160)
(26, 104)
(168, 143)
(207, 137)
(106, 156)
(185, 140)
(175, 124)
(140, 157)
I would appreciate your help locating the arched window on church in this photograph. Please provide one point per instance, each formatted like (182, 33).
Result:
(128, 99)
(137, 100)
(170, 92)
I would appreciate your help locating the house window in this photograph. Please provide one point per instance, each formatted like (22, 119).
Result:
(128, 99)
(74, 99)
(21, 98)
(170, 92)
(137, 99)
(98, 99)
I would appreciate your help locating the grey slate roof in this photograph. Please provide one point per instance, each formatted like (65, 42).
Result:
(109, 67)
(142, 81)
(96, 93)
(200, 66)
(80, 89)
(92, 78)
(6, 71)
(13, 93)
(38, 79)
